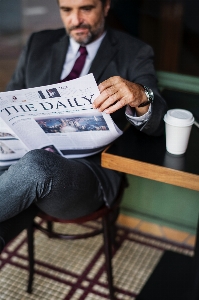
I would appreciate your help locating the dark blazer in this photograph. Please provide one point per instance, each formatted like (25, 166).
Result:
(120, 54)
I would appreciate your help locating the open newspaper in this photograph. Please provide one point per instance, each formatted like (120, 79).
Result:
(57, 117)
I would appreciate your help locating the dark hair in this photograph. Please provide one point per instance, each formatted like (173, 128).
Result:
(103, 1)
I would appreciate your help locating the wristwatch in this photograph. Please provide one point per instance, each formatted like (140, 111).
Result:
(149, 94)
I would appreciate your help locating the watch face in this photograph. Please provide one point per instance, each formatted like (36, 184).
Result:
(151, 97)
(149, 94)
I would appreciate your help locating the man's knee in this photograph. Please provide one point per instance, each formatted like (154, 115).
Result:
(36, 166)
(35, 156)
(36, 161)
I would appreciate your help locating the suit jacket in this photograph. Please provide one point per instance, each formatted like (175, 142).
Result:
(120, 54)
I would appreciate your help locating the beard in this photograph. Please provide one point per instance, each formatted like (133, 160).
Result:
(92, 35)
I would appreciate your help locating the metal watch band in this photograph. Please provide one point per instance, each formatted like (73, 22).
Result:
(149, 94)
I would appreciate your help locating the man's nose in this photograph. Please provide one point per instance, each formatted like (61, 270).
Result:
(76, 18)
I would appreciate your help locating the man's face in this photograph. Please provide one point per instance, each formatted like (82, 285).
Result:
(84, 19)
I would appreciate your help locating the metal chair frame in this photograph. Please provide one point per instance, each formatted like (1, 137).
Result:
(108, 216)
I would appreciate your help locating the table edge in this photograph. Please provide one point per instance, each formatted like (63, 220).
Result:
(150, 171)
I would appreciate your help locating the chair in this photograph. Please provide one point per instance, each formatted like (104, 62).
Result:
(108, 228)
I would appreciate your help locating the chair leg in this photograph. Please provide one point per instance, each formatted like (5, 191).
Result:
(113, 218)
(30, 236)
(50, 228)
(108, 253)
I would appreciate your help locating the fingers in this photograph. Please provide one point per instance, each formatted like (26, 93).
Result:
(111, 95)
(109, 83)
(106, 99)
(117, 105)
(117, 92)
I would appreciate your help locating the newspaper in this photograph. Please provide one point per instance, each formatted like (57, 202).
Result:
(11, 148)
(57, 117)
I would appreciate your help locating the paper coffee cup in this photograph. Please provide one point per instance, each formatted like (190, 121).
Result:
(178, 124)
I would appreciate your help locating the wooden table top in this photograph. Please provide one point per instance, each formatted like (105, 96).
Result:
(146, 156)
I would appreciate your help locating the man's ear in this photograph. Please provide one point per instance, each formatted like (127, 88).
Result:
(107, 7)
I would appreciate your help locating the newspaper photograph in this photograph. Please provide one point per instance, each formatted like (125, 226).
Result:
(59, 117)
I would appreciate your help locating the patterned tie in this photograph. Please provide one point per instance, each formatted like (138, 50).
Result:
(78, 66)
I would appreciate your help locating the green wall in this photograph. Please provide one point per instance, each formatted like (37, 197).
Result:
(161, 203)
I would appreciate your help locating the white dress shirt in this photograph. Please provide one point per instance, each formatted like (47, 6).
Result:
(92, 48)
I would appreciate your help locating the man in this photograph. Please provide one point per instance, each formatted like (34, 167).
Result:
(123, 68)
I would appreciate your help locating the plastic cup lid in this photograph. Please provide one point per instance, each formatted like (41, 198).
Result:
(179, 117)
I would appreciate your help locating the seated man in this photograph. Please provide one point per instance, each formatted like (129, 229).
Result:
(123, 68)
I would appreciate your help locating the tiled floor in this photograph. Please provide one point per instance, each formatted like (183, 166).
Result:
(74, 270)
(163, 232)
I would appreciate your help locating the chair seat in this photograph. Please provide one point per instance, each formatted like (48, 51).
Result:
(91, 217)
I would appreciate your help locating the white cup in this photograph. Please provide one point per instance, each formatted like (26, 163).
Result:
(178, 128)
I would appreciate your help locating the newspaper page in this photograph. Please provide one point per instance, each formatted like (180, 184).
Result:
(11, 148)
(59, 116)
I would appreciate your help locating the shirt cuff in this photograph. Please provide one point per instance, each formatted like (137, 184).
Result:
(131, 114)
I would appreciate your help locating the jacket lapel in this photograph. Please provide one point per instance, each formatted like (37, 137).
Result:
(105, 54)
(58, 57)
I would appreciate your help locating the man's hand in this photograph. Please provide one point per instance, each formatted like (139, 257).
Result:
(117, 92)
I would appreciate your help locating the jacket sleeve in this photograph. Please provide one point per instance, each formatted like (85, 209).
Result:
(18, 79)
(144, 73)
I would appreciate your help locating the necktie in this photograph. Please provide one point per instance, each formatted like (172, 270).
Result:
(78, 66)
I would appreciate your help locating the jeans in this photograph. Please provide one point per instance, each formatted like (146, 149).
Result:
(63, 188)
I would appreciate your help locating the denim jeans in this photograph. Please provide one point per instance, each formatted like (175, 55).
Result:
(63, 188)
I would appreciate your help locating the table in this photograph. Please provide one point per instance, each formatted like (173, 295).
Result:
(146, 156)
(137, 154)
